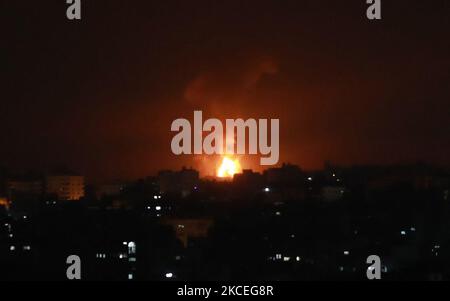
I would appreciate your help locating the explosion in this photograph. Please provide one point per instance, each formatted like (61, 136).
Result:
(228, 168)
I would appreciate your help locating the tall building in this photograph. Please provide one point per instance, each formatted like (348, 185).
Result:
(65, 187)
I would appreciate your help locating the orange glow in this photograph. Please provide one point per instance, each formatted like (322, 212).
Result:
(228, 168)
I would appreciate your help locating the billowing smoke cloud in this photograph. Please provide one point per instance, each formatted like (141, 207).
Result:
(225, 90)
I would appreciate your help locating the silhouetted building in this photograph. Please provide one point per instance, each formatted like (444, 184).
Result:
(189, 228)
(286, 182)
(24, 192)
(109, 190)
(182, 182)
(248, 182)
(66, 187)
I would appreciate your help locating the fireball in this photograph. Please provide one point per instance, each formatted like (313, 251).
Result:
(228, 168)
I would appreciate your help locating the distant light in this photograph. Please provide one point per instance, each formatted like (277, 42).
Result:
(338, 180)
(413, 229)
(403, 232)
(169, 275)
(286, 259)
(178, 257)
(155, 197)
(341, 269)
(267, 189)
(12, 248)
(27, 248)
(132, 259)
(131, 247)
(334, 175)
(278, 256)
(292, 235)
(130, 276)
(278, 213)
(125, 243)
(437, 246)
(181, 226)
(158, 215)
(148, 207)
(24, 217)
(11, 235)
(298, 258)
(309, 179)
(159, 196)
(158, 208)
(346, 253)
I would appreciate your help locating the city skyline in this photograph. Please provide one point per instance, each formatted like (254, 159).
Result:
(98, 96)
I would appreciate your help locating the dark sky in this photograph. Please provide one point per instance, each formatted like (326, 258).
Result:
(99, 95)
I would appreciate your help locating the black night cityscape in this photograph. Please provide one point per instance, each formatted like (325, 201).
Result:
(345, 170)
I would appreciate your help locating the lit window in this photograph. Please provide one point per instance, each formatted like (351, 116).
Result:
(286, 258)
(130, 276)
(131, 247)
(403, 232)
(169, 275)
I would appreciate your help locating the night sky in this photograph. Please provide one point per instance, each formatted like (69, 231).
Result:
(99, 95)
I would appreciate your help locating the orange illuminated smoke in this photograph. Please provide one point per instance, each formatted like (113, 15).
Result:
(228, 168)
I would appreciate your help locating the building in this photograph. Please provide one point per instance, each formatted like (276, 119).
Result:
(248, 182)
(182, 182)
(24, 192)
(22, 186)
(285, 183)
(109, 190)
(65, 187)
(189, 228)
